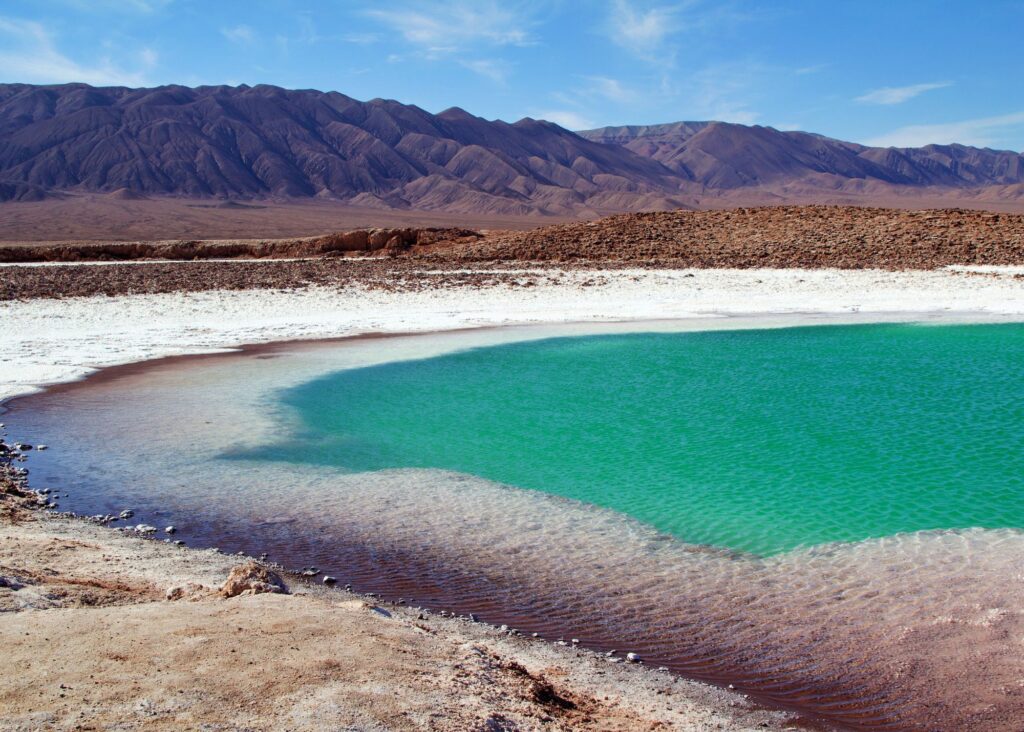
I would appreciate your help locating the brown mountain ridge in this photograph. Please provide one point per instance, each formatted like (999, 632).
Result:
(268, 143)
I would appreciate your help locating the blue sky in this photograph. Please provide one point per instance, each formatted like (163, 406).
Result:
(900, 72)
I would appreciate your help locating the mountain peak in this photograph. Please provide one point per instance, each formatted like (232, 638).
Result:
(264, 141)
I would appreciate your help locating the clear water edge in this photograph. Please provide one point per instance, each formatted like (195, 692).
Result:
(822, 629)
(758, 441)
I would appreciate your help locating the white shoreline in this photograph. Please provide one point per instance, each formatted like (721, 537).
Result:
(49, 341)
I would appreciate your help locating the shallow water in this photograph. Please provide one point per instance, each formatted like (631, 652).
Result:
(758, 441)
(921, 629)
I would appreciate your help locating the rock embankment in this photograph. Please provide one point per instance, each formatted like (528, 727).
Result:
(359, 241)
(811, 237)
(794, 237)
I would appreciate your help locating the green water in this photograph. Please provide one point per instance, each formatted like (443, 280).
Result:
(760, 440)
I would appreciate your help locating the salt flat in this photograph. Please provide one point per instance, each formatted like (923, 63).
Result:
(48, 341)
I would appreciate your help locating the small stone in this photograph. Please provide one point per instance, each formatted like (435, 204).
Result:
(310, 572)
(633, 658)
(169, 530)
(575, 641)
(250, 579)
(145, 529)
(328, 580)
(41, 447)
(179, 542)
(187, 591)
(126, 514)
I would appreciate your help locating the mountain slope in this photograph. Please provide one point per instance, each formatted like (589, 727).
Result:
(728, 156)
(265, 141)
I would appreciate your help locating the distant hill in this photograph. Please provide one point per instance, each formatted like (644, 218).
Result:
(264, 142)
(728, 156)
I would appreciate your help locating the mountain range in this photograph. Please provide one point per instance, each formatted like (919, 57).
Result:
(264, 142)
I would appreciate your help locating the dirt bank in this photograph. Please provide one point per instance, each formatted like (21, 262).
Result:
(364, 241)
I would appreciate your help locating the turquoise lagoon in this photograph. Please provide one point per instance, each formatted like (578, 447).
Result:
(759, 441)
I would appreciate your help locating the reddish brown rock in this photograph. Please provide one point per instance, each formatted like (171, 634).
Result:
(251, 579)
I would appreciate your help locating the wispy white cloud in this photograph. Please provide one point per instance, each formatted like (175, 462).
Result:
(304, 31)
(148, 57)
(592, 93)
(899, 94)
(360, 39)
(611, 89)
(146, 6)
(643, 30)
(443, 27)
(568, 119)
(813, 69)
(723, 92)
(242, 34)
(496, 71)
(106, 6)
(28, 53)
(595, 89)
(982, 132)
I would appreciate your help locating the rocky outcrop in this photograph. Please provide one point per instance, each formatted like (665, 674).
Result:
(251, 578)
(846, 237)
(192, 591)
(359, 241)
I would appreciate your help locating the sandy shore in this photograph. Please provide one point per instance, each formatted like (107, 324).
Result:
(91, 642)
(94, 642)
